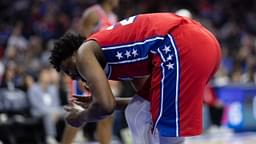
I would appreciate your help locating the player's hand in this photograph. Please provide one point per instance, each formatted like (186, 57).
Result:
(74, 116)
(86, 87)
(83, 101)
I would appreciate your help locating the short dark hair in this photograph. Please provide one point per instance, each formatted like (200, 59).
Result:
(65, 47)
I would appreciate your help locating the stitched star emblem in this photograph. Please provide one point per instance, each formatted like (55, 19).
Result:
(127, 54)
(166, 49)
(119, 55)
(169, 57)
(134, 52)
(170, 66)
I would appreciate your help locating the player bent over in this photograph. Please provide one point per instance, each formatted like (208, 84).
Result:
(168, 58)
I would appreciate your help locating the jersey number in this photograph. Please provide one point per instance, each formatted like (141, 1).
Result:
(124, 22)
(128, 21)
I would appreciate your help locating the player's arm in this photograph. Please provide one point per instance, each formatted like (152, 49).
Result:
(85, 101)
(103, 101)
(88, 23)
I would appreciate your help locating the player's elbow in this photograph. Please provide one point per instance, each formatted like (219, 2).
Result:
(109, 107)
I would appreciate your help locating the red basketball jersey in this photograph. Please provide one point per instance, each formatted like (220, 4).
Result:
(127, 45)
(178, 54)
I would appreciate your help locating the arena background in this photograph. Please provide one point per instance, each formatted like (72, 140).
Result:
(28, 29)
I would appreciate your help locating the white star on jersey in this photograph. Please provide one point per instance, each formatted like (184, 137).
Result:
(119, 55)
(170, 66)
(166, 49)
(134, 52)
(169, 57)
(127, 54)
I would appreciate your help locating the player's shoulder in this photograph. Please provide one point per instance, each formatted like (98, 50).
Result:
(149, 18)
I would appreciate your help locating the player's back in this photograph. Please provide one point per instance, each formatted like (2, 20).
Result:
(138, 28)
(131, 41)
(160, 23)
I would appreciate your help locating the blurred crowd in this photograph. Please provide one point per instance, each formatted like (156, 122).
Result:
(28, 29)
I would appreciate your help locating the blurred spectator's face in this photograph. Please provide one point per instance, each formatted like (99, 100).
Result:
(17, 29)
(247, 41)
(236, 77)
(10, 73)
(11, 53)
(45, 77)
(29, 81)
(35, 44)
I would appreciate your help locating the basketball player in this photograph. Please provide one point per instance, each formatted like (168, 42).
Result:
(168, 58)
(94, 19)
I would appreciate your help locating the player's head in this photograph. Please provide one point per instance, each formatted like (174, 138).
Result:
(62, 54)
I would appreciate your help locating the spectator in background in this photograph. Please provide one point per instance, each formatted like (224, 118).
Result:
(45, 103)
(247, 58)
(17, 44)
(32, 61)
(17, 40)
(1, 69)
(98, 17)
(221, 76)
(10, 77)
(249, 76)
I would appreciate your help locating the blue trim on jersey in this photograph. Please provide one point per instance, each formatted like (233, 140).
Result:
(108, 71)
(177, 85)
(167, 122)
(129, 53)
(104, 47)
(77, 90)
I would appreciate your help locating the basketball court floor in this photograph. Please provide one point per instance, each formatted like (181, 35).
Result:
(222, 138)
(218, 138)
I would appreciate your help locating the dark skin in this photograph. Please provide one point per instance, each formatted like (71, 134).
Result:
(87, 64)
(87, 60)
